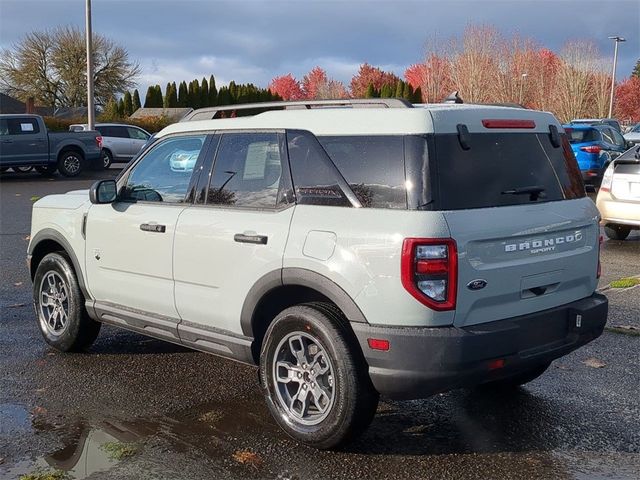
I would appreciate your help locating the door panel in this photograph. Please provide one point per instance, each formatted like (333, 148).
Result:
(23, 142)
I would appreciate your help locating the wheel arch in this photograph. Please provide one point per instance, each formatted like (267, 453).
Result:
(47, 241)
(284, 288)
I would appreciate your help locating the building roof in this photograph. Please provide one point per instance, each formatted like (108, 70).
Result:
(171, 113)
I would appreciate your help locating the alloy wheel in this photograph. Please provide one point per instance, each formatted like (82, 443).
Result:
(53, 303)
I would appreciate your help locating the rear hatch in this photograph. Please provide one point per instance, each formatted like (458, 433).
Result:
(512, 195)
(625, 184)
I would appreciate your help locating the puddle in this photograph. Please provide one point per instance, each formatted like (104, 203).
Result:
(14, 418)
(98, 446)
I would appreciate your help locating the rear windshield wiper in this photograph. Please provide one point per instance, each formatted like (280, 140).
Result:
(533, 191)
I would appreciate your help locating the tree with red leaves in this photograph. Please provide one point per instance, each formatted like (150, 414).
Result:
(371, 75)
(415, 75)
(287, 87)
(628, 99)
(313, 81)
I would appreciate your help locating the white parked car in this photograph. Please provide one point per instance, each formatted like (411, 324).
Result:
(633, 135)
(347, 252)
(120, 142)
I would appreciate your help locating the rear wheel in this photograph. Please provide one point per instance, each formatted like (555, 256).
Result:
(70, 164)
(518, 379)
(59, 303)
(314, 378)
(616, 232)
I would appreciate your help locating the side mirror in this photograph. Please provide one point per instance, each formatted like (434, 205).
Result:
(103, 191)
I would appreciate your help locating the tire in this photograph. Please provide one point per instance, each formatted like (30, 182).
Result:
(518, 379)
(55, 281)
(46, 171)
(26, 169)
(70, 163)
(616, 232)
(309, 337)
(107, 159)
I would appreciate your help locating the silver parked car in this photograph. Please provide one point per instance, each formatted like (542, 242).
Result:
(633, 135)
(120, 142)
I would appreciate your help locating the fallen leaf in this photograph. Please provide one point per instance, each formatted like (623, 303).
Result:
(17, 284)
(247, 457)
(39, 411)
(594, 363)
(41, 390)
(1, 460)
(27, 238)
(35, 198)
(18, 194)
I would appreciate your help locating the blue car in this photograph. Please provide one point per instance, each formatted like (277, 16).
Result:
(594, 147)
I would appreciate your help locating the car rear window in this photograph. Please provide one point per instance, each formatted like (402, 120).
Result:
(582, 135)
(500, 169)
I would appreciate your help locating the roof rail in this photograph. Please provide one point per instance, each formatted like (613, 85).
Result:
(209, 113)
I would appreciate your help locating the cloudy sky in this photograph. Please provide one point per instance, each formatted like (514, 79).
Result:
(254, 40)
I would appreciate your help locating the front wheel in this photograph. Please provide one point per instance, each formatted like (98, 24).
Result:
(616, 232)
(59, 303)
(70, 164)
(107, 159)
(314, 377)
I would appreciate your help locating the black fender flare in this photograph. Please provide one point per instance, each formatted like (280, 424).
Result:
(51, 234)
(297, 277)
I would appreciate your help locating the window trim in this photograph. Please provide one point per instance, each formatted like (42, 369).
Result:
(210, 163)
(122, 179)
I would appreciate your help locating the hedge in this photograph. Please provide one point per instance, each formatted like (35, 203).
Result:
(150, 124)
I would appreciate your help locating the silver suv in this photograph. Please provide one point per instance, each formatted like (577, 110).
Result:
(120, 142)
(347, 252)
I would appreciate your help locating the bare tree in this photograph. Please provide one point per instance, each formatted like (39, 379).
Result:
(600, 89)
(573, 82)
(50, 66)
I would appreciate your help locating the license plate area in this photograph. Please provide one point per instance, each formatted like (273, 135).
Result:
(545, 333)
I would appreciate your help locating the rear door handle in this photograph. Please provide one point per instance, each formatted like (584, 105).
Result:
(153, 227)
(256, 239)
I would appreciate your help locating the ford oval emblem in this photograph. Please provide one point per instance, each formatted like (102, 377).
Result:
(477, 284)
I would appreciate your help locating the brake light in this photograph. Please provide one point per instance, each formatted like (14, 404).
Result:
(508, 123)
(99, 141)
(591, 149)
(599, 272)
(429, 271)
(607, 179)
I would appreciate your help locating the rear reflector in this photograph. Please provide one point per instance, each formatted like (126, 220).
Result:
(506, 123)
(591, 149)
(496, 364)
(378, 344)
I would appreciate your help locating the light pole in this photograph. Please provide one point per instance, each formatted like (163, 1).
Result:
(523, 77)
(613, 74)
(88, 34)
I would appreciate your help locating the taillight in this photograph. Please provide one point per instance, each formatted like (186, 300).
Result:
(599, 272)
(607, 179)
(591, 149)
(429, 271)
(99, 141)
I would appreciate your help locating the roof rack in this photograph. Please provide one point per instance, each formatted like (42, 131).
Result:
(213, 112)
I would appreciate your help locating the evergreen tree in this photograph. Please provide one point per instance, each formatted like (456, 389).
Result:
(158, 101)
(128, 104)
(407, 92)
(233, 92)
(110, 111)
(400, 86)
(150, 97)
(165, 100)
(417, 95)
(136, 100)
(636, 70)
(194, 94)
(172, 96)
(213, 92)
(385, 91)
(371, 91)
(224, 98)
(183, 95)
(204, 93)
(121, 108)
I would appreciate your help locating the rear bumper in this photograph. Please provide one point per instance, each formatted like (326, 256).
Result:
(424, 361)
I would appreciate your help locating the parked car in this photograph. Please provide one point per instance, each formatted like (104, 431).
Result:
(25, 143)
(594, 147)
(347, 252)
(120, 142)
(612, 122)
(619, 196)
(633, 135)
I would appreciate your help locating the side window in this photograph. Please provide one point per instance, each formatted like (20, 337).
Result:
(607, 135)
(315, 177)
(105, 131)
(250, 171)
(137, 134)
(373, 166)
(618, 139)
(4, 127)
(164, 173)
(22, 126)
(120, 132)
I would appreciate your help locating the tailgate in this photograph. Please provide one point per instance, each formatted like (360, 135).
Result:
(532, 257)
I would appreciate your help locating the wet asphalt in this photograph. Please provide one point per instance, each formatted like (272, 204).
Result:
(136, 408)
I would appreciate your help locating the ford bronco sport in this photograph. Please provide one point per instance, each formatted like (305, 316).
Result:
(348, 252)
